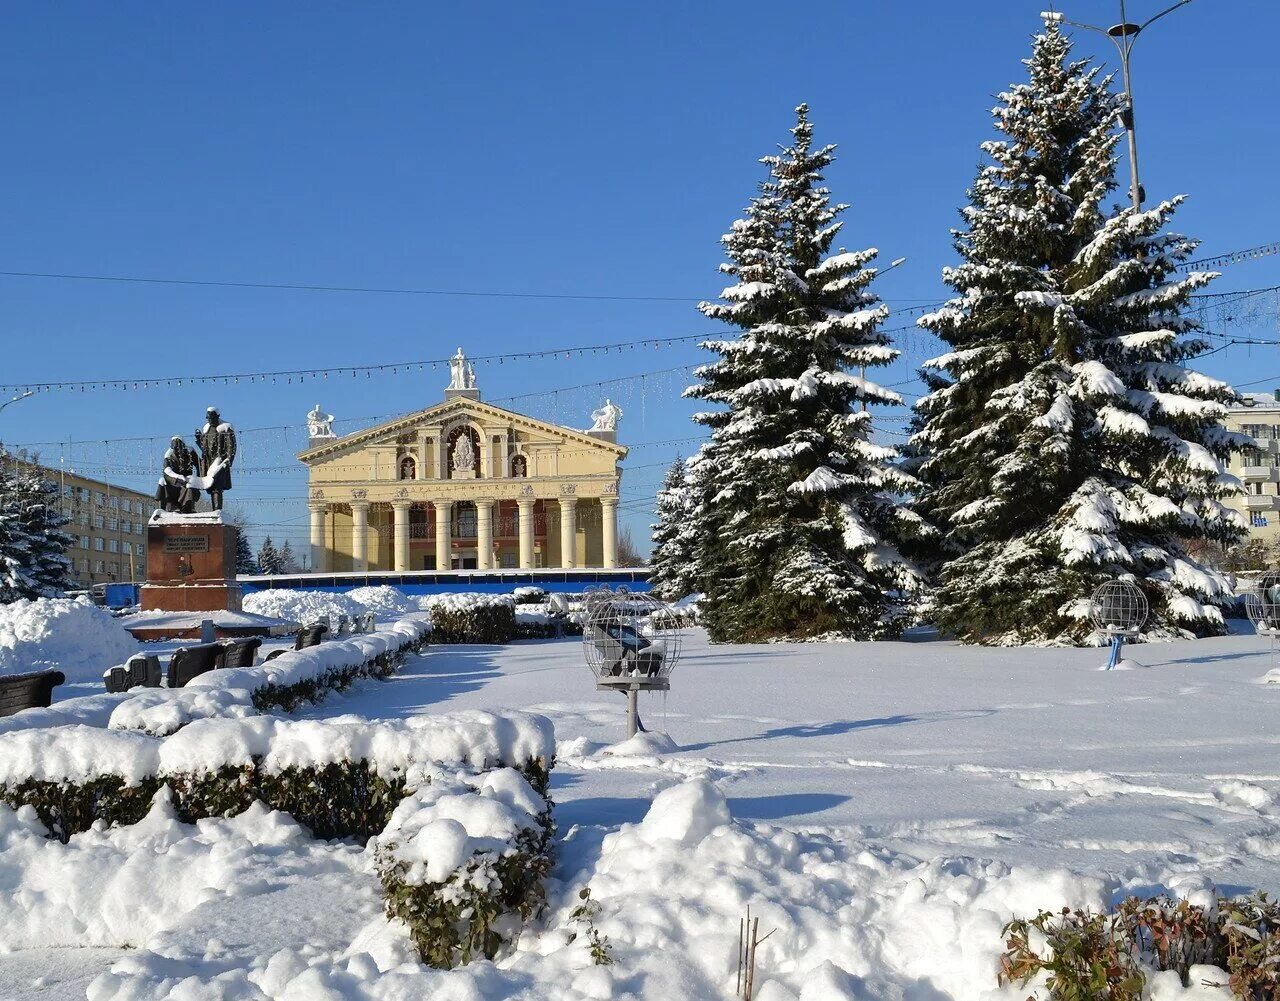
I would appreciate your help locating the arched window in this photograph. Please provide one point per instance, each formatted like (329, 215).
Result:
(408, 468)
(519, 466)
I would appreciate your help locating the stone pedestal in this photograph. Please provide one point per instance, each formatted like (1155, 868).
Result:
(191, 564)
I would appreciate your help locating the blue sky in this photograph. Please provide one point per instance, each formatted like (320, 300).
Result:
(585, 148)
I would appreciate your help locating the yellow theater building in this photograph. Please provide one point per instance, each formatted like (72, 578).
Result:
(463, 485)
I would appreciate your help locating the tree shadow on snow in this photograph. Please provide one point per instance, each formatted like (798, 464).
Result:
(782, 806)
(835, 728)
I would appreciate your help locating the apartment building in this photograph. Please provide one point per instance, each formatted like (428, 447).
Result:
(1258, 465)
(109, 525)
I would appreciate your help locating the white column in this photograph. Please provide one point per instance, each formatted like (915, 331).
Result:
(484, 535)
(359, 536)
(400, 557)
(568, 531)
(443, 548)
(609, 533)
(526, 532)
(319, 552)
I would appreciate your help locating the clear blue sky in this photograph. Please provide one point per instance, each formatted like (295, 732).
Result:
(589, 148)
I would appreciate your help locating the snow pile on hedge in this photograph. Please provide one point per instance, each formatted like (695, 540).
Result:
(74, 636)
(312, 606)
(402, 749)
(162, 711)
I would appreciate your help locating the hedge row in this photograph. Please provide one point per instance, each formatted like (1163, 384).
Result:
(1088, 954)
(472, 618)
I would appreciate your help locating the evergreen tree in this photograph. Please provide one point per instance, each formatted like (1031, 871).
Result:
(288, 562)
(268, 557)
(800, 517)
(669, 561)
(33, 547)
(245, 563)
(1063, 442)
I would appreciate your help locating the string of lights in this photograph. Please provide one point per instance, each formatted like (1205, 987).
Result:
(1232, 257)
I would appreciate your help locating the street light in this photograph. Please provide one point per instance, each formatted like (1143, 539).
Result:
(20, 396)
(1124, 36)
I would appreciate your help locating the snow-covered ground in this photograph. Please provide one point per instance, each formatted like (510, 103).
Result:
(885, 807)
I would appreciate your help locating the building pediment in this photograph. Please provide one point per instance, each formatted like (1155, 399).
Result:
(452, 412)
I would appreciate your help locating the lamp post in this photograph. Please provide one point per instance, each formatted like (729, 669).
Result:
(16, 399)
(1124, 36)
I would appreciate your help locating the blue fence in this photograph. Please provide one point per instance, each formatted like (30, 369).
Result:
(452, 581)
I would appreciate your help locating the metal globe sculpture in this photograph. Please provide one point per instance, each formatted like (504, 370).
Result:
(1262, 604)
(631, 641)
(1118, 610)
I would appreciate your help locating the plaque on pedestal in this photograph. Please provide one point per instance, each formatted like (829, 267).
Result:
(191, 564)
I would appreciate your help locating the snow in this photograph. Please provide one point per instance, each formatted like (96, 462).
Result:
(883, 809)
(311, 606)
(74, 636)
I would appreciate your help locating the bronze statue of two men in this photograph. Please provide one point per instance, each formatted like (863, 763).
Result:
(186, 473)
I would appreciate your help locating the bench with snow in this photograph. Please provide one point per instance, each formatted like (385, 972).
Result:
(307, 636)
(627, 656)
(142, 670)
(33, 690)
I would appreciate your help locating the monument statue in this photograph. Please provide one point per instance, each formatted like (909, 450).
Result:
(319, 424)
(606, 418)
(462, 374)
(464, 453)
(217, 443)
(175, 492)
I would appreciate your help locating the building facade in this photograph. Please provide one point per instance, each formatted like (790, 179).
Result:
(109, 526)
(464, 485)
(1258, 465)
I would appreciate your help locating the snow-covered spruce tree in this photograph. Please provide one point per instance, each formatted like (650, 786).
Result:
(33, 546)
(1063, 442)
(674, 559)
(801, 518)
(268, 557)
(245, 563)
(288, 562)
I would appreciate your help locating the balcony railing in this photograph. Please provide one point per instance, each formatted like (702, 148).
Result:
(1260, 502)
(505, 527)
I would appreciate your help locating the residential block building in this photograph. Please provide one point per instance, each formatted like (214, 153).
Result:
(1258, 465)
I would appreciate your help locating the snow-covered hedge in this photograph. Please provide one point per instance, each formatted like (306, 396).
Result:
(312, 606)
(298, 676)
(294, 677)
(460, 857)
(472, 618)
(341, 777)
(535, 622)
(74, 636)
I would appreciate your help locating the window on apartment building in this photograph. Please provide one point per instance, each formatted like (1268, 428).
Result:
(137, 507)
(84, 542)
(98, 521)
(113, 524)
(126, 527)
(84, 494)
(99, 566)
(97, 544)
(126, 548)
(113, 570)
(99, 497)
(113, 546)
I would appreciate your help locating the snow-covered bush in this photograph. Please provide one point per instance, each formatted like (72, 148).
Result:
(74, 636)
(342, 777)
(460, 857)
(312, 606)
(471, 618)
(529, 595)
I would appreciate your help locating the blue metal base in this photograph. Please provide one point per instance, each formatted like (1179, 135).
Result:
(1117, 643)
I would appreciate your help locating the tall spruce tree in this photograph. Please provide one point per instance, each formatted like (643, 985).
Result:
(1063, 441)
(674, 557)
(33, 546)
(268, 557)
(801, 516)
(288, 561)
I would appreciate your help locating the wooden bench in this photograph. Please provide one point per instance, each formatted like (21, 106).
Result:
(28, 691)
(192, 661)
(240, 652)
(142, 670)
(307, 636)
